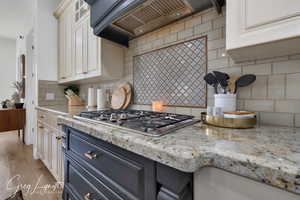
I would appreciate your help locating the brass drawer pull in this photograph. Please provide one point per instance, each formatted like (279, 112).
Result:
(90, 155)
(58, 138)
(41, 127)
(42, 116)
(87, 196)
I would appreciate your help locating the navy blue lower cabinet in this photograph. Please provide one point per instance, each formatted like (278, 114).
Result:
(98, 170)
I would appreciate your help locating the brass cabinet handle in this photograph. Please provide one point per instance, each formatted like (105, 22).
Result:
(42, 116)
(84, 72)
(63, 78)
(87, 196)
(90, 155)
(41, 127)
(58, 138)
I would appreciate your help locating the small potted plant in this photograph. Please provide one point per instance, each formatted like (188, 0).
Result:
(5, 103)
(17, 96)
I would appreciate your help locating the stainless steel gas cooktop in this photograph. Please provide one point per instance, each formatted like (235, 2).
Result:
(144, 122)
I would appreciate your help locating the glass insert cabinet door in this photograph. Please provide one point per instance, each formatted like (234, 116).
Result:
(81, 9)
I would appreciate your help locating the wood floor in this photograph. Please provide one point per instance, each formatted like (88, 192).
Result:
(18, 169)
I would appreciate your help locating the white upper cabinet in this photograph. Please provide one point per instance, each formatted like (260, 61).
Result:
(260, 29)
(82, 55)
(65, 40)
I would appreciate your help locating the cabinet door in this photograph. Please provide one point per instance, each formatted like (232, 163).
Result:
(253, 22)
(60, 161)
(69, 38)
(79, 50)
(93, 54)
(40, 141)
(55, 137)
(48, 148)
(62, 47)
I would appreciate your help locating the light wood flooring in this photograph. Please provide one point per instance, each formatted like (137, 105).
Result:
(18, 165)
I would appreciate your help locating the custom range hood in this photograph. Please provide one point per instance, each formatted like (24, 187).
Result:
(123, 20)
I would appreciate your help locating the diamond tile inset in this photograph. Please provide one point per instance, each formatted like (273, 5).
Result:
(173, 75)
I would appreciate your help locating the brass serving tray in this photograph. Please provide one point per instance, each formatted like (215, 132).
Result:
(231, 122)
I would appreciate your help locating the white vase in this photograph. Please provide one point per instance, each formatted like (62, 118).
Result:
(226, 101)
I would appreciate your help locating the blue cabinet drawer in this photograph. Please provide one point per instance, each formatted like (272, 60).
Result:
(130, 176)
(84, 186)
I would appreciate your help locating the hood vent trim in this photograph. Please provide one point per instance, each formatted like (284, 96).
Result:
(152, 14)
(123, 20)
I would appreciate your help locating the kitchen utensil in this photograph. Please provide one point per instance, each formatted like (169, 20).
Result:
(222, 79)
(118, 98)
(244, 81)
(128, 90)
(231, 83)
(212, 80)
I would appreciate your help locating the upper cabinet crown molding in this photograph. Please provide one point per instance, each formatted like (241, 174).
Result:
(61, 7)
(84, 57)
(260, 29)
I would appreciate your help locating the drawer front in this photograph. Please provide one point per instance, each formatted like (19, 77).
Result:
(114, 166)
(48, 118)
(82, 185)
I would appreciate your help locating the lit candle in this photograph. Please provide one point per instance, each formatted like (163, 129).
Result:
(157, 106)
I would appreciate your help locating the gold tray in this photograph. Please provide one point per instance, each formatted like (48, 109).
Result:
(231, 122)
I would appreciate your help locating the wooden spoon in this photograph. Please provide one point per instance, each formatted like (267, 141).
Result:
(231, 83)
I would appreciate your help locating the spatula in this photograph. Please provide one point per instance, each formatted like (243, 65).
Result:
(222, 79)
(212, 80)
(244, 81)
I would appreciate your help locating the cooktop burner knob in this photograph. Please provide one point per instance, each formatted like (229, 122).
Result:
(123, 116)
(102, 117)
(113, 117)
(149, 129)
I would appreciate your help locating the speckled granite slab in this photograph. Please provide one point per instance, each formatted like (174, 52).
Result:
(64, 109)
(267, 154)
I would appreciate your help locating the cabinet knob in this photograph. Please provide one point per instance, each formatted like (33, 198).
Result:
(87, 196)
(90, 155)
(41, 127)
(63, 78)
(84, 72)
(42, 116)
(58, 138)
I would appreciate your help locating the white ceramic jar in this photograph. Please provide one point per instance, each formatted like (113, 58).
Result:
(226, 101)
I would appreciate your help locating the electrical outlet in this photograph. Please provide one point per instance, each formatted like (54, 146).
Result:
(50, 96)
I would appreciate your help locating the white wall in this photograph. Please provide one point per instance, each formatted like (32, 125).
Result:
(46, 39)
(7, 67)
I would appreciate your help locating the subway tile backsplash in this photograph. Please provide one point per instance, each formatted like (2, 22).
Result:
(51, 87)
(276, 95)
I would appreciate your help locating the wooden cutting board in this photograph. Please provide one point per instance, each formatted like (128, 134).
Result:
(128, 90)
(118, 98)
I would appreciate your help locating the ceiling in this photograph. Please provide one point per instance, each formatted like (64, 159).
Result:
(15, 17)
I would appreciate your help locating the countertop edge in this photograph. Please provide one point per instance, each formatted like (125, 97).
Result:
(244, 166)
(42, 108)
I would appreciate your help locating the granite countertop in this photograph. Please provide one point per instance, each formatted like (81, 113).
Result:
(266, 154)
(65, 109)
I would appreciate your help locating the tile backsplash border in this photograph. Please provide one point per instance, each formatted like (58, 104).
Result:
(273, 96)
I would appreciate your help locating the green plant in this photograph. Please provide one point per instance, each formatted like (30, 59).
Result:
(19, 86)
(74, 88)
